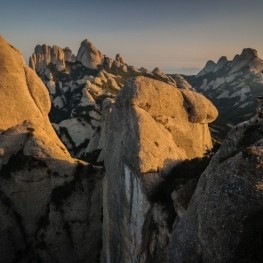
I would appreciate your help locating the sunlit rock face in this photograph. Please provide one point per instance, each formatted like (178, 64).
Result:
(223, 222)
(51, 204)
(23, 96)
(151, 127)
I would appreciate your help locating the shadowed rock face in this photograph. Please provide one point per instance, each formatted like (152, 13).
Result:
(50, 203)
(151, 127)
(223, 222)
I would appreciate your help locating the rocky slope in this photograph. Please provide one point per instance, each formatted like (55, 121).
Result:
(232, 86)
(51, 204)
(82, 89)
(151, 127)
(223, 222)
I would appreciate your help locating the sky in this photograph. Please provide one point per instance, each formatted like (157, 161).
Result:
(178, 36)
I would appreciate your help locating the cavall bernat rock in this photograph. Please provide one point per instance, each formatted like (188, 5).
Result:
(151, 127)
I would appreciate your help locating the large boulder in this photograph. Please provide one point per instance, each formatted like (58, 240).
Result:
(223, 222)
(151, 127)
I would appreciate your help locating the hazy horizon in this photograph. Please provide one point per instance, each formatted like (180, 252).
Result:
(174, 36)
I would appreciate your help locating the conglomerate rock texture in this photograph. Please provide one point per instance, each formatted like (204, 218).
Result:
(151, 127)
(223, 222)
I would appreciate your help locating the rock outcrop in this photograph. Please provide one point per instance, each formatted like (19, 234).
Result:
(232, 86)
(223, 222)
(89, 55)
(151, 127)
(209, 67)
(45, 55)
(119, 59)
(51, 204)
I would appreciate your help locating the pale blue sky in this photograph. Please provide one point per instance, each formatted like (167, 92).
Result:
(178, 36)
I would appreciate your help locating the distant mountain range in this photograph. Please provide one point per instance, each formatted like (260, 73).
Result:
(232, 86)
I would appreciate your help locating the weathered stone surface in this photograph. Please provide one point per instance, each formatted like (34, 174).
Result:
(44, 55)
(148, 129)
(51, 205)
(209, 67)
(21, 86)
(223, 222)
(181, 82)
(52, 202)
(89, 55)
(69, 56)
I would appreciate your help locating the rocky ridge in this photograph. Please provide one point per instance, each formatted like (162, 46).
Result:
(232, 86)
(82, 89)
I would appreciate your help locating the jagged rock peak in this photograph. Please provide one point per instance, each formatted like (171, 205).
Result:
(44, 55)
(249, 53)
(209, 67)
(248, 57)
(119, 58)
(69, 56)
(222, 60)
(221, 63)
(89, 55)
